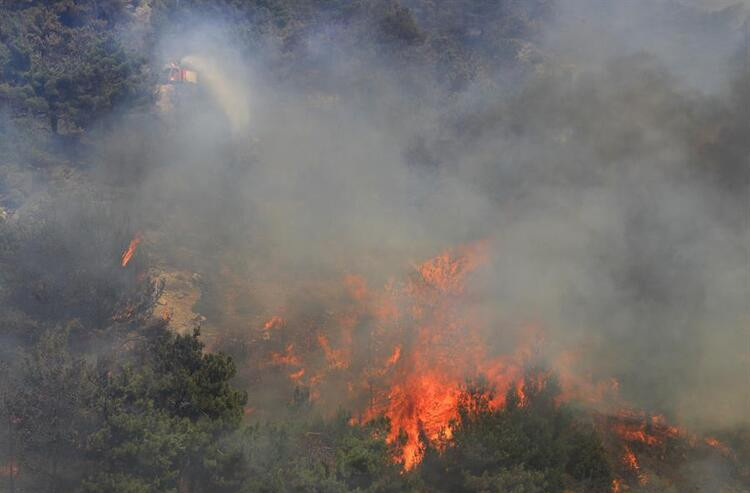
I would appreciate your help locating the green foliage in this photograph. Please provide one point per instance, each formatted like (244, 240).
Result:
(587, 460)
(514, 480)
(48, 396)
(73, 62)
(528, 445)
(63, 60)
(163, 414)
(324, 455)
(149, 423)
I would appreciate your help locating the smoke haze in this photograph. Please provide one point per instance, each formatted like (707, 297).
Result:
(612, 184)
(606, 169)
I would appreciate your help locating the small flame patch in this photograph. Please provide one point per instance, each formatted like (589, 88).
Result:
(127, 255)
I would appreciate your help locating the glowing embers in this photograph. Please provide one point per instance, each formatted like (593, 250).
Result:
(636, 427)
(637, 434)
(630, 461)
(271, 325)
(616, 485)
(717, 445)
(127, 255)
(288, 357)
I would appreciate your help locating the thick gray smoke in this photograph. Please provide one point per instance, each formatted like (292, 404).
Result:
(611, 179)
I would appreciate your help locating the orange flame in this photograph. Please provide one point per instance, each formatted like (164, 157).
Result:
(130, 251)
(288, 357)
(335, 358)
(393, 359)
(636, 427)
(616, 485)
(631, 461)
(423, 345)
(273, 323)
(423, 340)
(716, 444)
(9, 470)
(425, 378)
(297, 374)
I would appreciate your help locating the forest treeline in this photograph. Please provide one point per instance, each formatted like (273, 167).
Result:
(73, 62)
